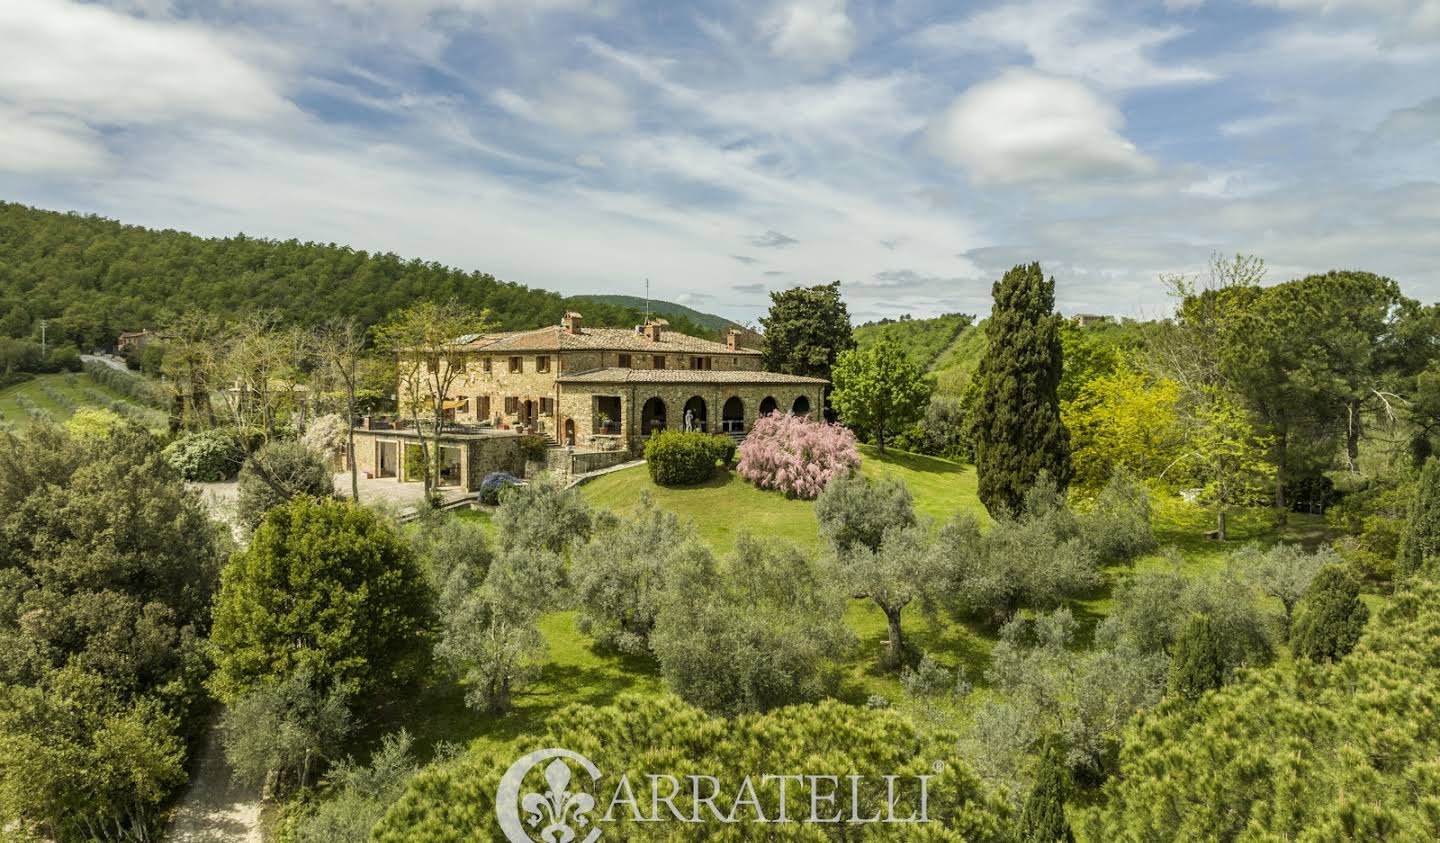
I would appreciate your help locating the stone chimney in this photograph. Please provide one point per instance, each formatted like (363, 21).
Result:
(655, 329)
(732, 339)
(571, 323)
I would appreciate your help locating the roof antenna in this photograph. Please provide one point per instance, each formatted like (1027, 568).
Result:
(647, 300)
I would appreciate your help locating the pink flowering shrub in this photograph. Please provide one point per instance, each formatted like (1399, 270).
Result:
(796, 455)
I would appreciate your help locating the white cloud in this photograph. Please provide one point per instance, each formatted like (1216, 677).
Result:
(809, 32)
(109, 68)
(1069, 38)
(1029, 127)
(578, 103)
(38, 143)
(1403, 21)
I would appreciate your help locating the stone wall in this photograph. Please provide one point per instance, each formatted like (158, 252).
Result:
(579, 405)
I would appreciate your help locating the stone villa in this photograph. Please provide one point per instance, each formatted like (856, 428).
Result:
(595, 394)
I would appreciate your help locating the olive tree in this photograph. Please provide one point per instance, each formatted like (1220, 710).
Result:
(756, 633)
(620, 576)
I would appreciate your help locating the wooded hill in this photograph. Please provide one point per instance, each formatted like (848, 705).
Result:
(90, 278)
(668, 309)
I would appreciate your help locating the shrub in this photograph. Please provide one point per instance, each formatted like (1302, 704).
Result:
(1118, 527)
(359, 795)
(1197, 664)
(455, 802)
(927, 678)
(796, 455)
(724, 448)
(207, 456)
(543, 515)
(1331, 617)
(533, 446)
(289, 470)
(285, 726)
(494, 484)
(680, 458)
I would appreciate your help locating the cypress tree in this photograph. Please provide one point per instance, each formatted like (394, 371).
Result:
(1042, 818)
(1331, 617)
(1016, 425)
(1196, 662)
(1421, 541)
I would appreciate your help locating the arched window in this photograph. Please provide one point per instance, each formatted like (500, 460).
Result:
(652, 417)
(769, 405)
(801, 407)
(732, 416)
(695, 416)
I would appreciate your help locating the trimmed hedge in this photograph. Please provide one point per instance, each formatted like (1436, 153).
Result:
(724, 448)
(678, 458)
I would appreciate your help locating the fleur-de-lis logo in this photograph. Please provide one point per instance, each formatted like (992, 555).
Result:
(553, 808)
(558, 815)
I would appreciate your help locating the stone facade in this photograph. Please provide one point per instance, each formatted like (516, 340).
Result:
(382, 454)
(591, 387)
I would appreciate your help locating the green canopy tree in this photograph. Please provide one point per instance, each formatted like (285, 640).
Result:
(1016, 425)
(878, 391)
(1197, 664)
(806, 329)
(1331, 617)
(326, 585)
(1420, 543)
(1042, 818)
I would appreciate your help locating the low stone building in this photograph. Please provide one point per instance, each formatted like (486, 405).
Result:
(595, 395)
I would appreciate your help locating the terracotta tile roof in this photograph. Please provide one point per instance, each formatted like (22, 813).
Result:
(556, 338)
(737, 376)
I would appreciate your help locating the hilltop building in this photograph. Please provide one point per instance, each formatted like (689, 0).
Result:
(595, 395)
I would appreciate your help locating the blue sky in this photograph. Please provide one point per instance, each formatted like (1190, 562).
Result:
(911, 149)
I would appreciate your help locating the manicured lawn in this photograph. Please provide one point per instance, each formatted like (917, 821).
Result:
(726, 505)
(58, 396)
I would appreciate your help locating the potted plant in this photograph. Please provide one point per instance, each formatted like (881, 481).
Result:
(604, 421)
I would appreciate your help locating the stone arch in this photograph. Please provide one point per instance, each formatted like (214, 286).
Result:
(652, 416)
(768, 405)
(732, 415)
(695, 409)
(801, 407)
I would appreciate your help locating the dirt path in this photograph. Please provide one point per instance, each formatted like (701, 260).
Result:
(214, 809)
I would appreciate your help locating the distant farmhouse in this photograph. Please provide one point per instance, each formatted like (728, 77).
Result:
(136, 340)
(1085, 320)
(595, 395)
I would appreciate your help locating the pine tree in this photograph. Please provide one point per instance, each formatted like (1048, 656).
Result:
(1017, 428)
(1196, 662)
(1331, 617)
(1042, 818)
(1421, 541)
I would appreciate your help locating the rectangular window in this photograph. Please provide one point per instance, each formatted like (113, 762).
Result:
(659, 361)
(542, 363)
(546, 405)
(512, 404)
(624, 361)
(488, 365)
(460, 366)
(514, 365)
(482, 407)
(700, 363)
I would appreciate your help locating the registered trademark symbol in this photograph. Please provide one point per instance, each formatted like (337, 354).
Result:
(938, 766)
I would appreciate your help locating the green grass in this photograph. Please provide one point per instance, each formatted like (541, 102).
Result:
(78, 388)
(957, 363)
(725, 506)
